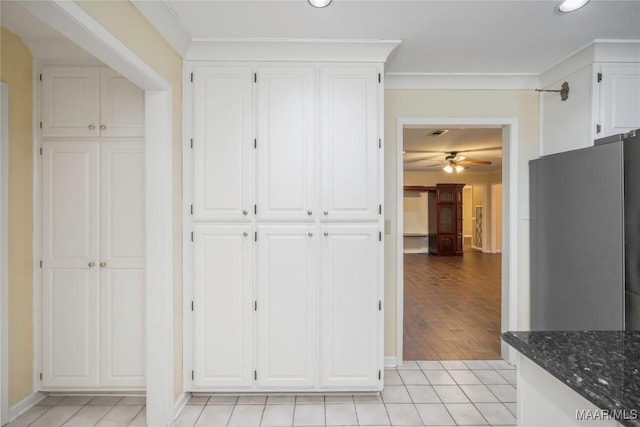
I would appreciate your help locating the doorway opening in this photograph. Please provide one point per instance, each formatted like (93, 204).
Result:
(454, 307)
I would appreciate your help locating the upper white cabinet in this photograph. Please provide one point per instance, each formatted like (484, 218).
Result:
(604, 96)
(223, 143)
(350, 142)
(88, 102)
(286, 142)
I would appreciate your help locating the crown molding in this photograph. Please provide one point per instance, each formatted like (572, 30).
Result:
(462, 81)
(322, 50)
(160, 15)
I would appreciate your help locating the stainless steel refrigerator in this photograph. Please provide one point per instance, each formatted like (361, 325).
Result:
(585, 237)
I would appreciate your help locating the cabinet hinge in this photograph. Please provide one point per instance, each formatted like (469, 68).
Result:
(191, 209)
(255, 209)
(598, 128)
(380, 236)
(379, 209)
(255, 375)
(255, 305)
(41, 151)
(191, 77)
(40, 125)
(40, 263)
(192, 143)
(40, 376)
(40, 77)
(192, 306)
(599, 77)
(255, 236)
(192, 236)
(379, 142)
(193, 375)
(379, 78)
(255, 143)
(379, 305)
(255, 77)
(379, 374)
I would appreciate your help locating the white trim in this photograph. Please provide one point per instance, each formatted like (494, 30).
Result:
(74, 23)
(390, 362)
(181, 402)
(25, 404)
(37, 230)
(162, 17)
(4, 253)
(461, 81)
(510, 171)
(298, 50)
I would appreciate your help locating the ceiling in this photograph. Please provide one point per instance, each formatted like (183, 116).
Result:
(426, 152)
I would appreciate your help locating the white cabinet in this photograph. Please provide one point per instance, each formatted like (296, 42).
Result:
(350, 142)
(223, 143)
(286, 142)
(350, 305)
(90, 101)
(619, 110)
(223, 306)
(287, 305)
(93, 264)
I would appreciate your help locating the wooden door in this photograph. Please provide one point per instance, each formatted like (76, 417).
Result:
(223, 143)
(350, 142)
(223, 306)
(351, 307)
(121, 263)
(121, 106)
(70, 101)
(286, 142)
(70, 272)
(287, 306)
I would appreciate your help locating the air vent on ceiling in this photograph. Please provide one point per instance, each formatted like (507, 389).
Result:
(439, 132)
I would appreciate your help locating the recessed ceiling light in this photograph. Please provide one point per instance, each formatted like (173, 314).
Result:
(571, 5)
(319, 3)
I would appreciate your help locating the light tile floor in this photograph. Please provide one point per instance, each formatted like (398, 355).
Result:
(423, 393)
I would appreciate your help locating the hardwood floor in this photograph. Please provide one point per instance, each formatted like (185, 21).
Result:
(452, 306)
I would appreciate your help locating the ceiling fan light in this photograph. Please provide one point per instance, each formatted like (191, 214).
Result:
(571, 5)
(448, 169)
(459, 168)
(319, 3)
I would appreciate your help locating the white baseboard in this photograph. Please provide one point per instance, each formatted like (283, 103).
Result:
(25, 404)
(390, 362)
(180, 403)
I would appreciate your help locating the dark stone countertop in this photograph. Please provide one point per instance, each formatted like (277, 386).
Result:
(601, 366)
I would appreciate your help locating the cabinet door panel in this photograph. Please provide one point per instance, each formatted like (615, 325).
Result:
(349, 143)
(286, 111)
(122, 263)
(121, 106)
(223, 143)
(287, 299)
(223, 306)
(349, 313)
(619, 98)
(70, 105)
(69, 282)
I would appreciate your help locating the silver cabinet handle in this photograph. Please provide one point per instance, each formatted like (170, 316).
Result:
(326, 233)
(102, 127)
(310, 234)
(103, 264)
(91, 127)
(91, 264)
(244, 212)
(326, 212)
(309, 212)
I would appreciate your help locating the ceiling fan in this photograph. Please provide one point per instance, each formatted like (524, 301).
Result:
(452, 161)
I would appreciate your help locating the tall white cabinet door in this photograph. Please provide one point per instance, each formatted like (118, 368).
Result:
(223, 143)
(70, 105)
(121, 263)
(121, 106)
(287, 306)
(286, 133)
(349, 139)
(349, 314)
(70, 264)
(619, 98)
(223, 306)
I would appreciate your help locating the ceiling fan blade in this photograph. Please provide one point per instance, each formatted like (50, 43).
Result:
(474, 162)
(420, 159)
(473, 150)
(425, 151)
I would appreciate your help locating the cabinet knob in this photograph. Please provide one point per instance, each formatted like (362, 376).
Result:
(326, 212)
(309, 212)
(310, 234)
(245, 234)
(326, 233)
(91, 264)
(102, 127)
(244, 212)
(103, 264)
(91, 127)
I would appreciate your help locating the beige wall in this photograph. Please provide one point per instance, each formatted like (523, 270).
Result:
(15, 71)
(522, 105)
(125, 22)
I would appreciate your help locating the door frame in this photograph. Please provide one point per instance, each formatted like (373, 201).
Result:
(75, 24)
(510, 170)
(4, 253)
